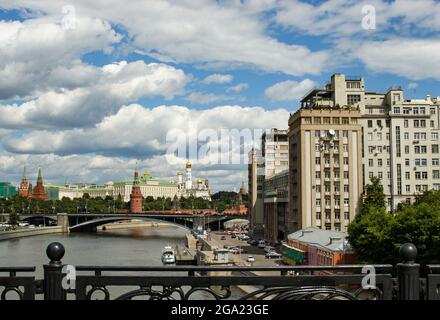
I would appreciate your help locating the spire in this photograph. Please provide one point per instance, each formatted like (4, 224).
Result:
(136, 177)
(24, 173)
(40, 178)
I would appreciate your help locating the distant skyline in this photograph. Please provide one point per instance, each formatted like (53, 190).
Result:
(89, 89)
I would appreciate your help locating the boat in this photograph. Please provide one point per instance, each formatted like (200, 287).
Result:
(168, 255)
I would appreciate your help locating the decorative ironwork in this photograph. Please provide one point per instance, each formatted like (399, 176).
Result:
(218, 282)
(23, 287)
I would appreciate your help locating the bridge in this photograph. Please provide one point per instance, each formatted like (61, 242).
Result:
(88, 222)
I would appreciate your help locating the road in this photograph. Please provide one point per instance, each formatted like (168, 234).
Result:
(257, 253)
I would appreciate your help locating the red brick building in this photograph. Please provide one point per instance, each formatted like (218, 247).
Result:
(314, 246)
(136, 195)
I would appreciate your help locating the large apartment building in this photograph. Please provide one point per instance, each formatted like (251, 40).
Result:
(264, 163)
(325, 167)
(343, 135)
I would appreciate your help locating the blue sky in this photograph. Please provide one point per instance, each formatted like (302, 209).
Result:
(91, 89)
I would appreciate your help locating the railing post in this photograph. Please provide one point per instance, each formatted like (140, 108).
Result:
(53, 275)
(408, 273)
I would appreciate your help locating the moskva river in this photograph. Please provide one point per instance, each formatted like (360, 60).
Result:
(130, 247)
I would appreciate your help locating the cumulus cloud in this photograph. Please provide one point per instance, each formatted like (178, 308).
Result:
(289, 90)
(180, 31)
(37, 54)
(414, 59)
(112, 86)
(218, 78)
(130, 130)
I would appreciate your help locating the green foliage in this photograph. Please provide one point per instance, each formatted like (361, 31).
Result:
(14, 218)
(221, 201)
(374, 194)
(376, 235)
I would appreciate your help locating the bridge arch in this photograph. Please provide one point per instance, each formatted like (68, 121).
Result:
(187, 222)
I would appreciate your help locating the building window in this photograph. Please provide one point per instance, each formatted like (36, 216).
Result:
(397, 110)
(370, 162)
(370, 123)
(379, 162)
(317, 120)
(353, 99)
(434, 136)
(405, 123)
(434, 148)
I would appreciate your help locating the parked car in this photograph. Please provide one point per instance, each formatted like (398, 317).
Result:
(273, 255)
(223, 238)
(268, 249)
(253, 242)
(250, 259)
(239, 250)
(261, 244)
(244, 237)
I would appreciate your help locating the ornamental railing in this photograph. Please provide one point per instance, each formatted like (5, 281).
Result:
(345, 282)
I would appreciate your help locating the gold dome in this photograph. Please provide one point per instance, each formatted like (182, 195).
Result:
(188, 165)
(199, 181)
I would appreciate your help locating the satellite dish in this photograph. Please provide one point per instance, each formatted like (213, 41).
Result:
(331, 132)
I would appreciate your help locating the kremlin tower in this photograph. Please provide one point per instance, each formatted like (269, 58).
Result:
(38, 192)
(25, 188)
(136, 195)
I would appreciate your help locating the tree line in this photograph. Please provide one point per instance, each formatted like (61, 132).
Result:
(376, 235)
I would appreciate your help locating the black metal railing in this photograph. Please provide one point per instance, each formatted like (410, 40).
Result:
(352, 282)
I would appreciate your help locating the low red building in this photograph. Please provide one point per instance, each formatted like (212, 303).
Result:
(314, 246)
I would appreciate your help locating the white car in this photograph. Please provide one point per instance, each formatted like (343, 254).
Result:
(261, 244)
(244, 237)
(273, 254)
(250, 259)
(268, 249)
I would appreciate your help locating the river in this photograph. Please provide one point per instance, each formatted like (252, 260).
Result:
(130, 247)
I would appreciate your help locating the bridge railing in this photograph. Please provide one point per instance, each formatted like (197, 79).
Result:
(346, 282)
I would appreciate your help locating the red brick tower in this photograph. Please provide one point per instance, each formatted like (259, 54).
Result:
(39, 192)
(23, 189)
(136, 195)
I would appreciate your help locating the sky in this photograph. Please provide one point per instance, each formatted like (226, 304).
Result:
(89, 90)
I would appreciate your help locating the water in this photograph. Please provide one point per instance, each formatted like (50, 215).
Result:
(131, 247)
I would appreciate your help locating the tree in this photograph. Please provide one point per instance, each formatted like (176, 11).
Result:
(14, 218)
(374, 194)
(369, 233)
(376, 235)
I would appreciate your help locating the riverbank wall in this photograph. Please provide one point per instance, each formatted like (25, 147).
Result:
(13, 234)
(131, 225)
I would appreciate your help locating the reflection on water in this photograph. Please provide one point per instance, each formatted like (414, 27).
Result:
(129, 247)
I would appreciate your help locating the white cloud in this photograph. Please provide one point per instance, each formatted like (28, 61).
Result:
(35, 53)
(218, 78)
(344, 18)
(188, 31)
(130, 131)
(411, 58)
(289, 90)
(112, 86)
(238, 88)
